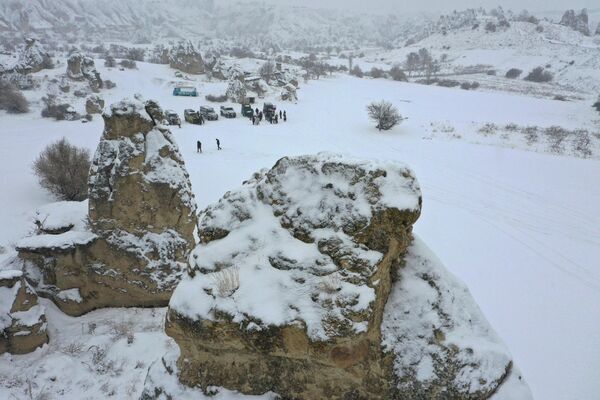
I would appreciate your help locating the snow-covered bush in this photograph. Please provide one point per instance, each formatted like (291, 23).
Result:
(267, 70)
(236, 91)
(11, 99)
(384, 114)
(597, 104)
(539, 74)
(469, 85)
(128, 64)
(62, 169)
(356, 71)
(397, 74)
(110, 62)
(376, 73)
(513, 73)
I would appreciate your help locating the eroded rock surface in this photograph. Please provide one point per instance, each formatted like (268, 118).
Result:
(131, 246)
(82, 68)
(578, 22)
(186, 58)
(22, 319)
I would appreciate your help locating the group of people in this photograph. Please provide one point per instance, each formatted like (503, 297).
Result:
(199, 146)
(272, 118)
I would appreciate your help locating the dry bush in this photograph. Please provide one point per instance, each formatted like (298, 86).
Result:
(73, 348)
(488, 129)
(539, 75)
(356, 71)
(128, 64)
(397, 74)
(122, 330)
(63, 169)
(582, 144)
(513, 73)
(556, 136)
(227, 281)
(531, 134)
(384, 114)
(376, 73)
(11, 99)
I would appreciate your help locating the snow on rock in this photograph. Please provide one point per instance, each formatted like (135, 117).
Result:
(22, 319)
(431, 324)
(577, 22)
(32, 57)
(82, 68)
(297, 263)
(128, 244)
(186, 58)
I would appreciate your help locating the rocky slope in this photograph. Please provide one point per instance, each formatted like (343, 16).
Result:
(306, 284)
(130, 248)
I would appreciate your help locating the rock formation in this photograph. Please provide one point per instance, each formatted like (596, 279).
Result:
(598, 29)
(131, 246)
(576, 22)
(81, 68)
(22, 319)
(308, 284)
(186, 58)
(33, 58)
(94, 104)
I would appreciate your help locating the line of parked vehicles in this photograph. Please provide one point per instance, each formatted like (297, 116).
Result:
(207, 113)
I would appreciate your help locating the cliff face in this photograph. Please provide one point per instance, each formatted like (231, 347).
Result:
(131, 246)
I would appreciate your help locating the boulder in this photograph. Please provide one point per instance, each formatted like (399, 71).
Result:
(308, 284)
(289, 93)
(287, 290)
(22, 319)
(33, 58)
(578, 22)
(94, 105)
(186, 58)
(128, 244)
(82, 68)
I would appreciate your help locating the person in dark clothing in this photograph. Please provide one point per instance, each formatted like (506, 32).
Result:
(257, 110)
(253, 120)
(276, 119)
(280, 114)
(201, 120)
(198, 147)
(284, 116)
(218, 144)
(260, 116)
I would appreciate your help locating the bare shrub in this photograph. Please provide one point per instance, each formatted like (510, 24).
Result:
(531, 134)
(511, 127)
(122, 330)
(109, 84)
(62, 169)
(488, 129)
(266, 71)
(469, 85)
(397, 74)
(513, 73)
(110, 62)
(597, 105)
(376, 73)
(60, 112)
(357, 71)
(11, 99)
(128, 64)
(216, 98)
(384, 114)
(448, 83)
(539, 75)
(227, 281)
(556, 136)
(582, 144)
(560, 97)
(73, 348)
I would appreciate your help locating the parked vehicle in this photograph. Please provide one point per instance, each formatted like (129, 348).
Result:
(185, 91)
(192, 116)
(228, 112)
(173, 118)
(247, 111)
(269, 110)
(208, 113)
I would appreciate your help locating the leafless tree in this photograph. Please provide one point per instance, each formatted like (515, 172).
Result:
(267, 70)
(384, 114)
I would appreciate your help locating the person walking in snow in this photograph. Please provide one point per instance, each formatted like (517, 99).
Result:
(257, 110)
(276, 119)
(253, 120)
(201, 120)
(260, 116)
(198, 147)
(218, 144)
(280, 115)
(284, 116)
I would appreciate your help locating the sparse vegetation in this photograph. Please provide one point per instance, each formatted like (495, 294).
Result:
(110, 62)
(216, 98)
(397, 74)
(513, 73)
(227, 281)
(376, 73)
(128, 64)
(539, 75)
(11, 99)
(357, 71)
(62, 169)
(385, 115)
(597, 105)
(60, 112)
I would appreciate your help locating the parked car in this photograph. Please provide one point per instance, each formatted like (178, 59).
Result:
(185, 91)
(228, 112)
(247, 110)
(208, 113)
(269, 109)
(192, 116)
(173, 118)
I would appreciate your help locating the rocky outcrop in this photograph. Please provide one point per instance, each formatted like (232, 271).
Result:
(82, 68)
(598, 29)
(308, 284)
(94, 105)
(236, 91)
(22, 319)
(578, 22)
(33, 58)
(130, 246)
(186, 58)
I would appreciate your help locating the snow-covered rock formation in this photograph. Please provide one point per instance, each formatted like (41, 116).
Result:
(32, 57)
(131, 246)
(94, 104)
(22, 319)
(186, 58)
(578, 22)
(308, 283)
(81, 68)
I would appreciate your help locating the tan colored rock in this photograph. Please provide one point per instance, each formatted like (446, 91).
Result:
(94, 104)
(22, 319)
(130, 247)
(186, 58)
(314, 241)
(82, 68)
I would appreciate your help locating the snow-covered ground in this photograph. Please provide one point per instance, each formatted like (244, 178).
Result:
(520, 227)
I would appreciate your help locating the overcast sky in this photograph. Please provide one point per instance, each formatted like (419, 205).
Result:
(444, 5)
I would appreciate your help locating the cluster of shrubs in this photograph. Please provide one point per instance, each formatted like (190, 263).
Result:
(395, 73)
(216, 98)
(58, 111)
(11, 98)
(597, 105)
(538, 74)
